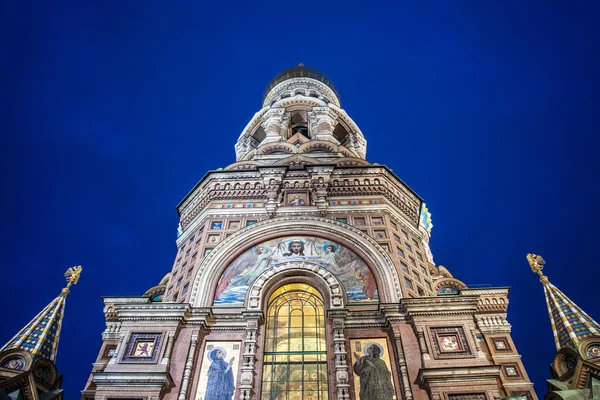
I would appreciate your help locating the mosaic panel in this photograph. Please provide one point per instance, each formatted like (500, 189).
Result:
(219, 371)
(450, 342)
(372, 369)
(142, 348)
(350, 269)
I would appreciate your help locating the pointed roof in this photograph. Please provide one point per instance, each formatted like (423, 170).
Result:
(40, 336)
(570, 324)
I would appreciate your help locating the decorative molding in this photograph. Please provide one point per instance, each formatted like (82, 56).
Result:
(254, 297)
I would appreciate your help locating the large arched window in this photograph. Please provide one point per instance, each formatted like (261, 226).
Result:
(295, 357)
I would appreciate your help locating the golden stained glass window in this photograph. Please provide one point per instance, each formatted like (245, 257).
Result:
(295, 358)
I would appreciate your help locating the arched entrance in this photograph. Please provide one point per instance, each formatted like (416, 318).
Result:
(295, 355)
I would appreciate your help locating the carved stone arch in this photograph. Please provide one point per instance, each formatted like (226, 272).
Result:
(249, 155)
(316, 145)
(241, 165)
(299, 102)
(352, 161)
(296, 159)
(269, 148)
(274, 277)
(350, 154)
(376, 258)
(254, 122)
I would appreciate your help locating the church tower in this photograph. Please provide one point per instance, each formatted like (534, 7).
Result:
(27, 361)
(576, 367)
(304, 271)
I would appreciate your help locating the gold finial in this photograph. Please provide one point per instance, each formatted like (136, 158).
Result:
(537, 265)
(72, 276)
(301, 65)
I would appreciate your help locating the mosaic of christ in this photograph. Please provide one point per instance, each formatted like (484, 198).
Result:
(339, 260)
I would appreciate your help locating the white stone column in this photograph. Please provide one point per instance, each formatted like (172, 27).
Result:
(322, 124)
(189, 364)
(249, 356)
(169, 349)
(339, 346)
(275, 124)
(407, 390)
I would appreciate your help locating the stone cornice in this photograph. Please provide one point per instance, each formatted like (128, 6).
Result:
(429, 376)
(129, 379)
(440, 306)
(164, 312)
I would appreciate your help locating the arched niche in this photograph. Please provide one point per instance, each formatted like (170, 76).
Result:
(296, 272)
(374, 256)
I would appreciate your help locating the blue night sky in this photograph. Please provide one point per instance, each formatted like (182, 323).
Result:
(112, 111)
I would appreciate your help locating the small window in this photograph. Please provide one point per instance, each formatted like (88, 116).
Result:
(194, 256)
(178, 261)
(428, 285)
(399, 251)
(186, 287)
(192, 239)
(412, 261)
(419, 290)
(216, 225)
(419, 256)
(405, 235)
(179, 282)
(169, 292)
(207, 252)
(396, 238)
(409, 283)
(416, 242)
(423, 270)
(344, 220)
(187, 253)
(380, 234)
(251, 222)
(404, 267)
(176, 297)
(394, 226)
(359, 221)
(377, 221)
(189, 273)
(407, 247)
(385, 246)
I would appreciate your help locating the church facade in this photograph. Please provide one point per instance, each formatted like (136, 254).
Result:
(304, 272)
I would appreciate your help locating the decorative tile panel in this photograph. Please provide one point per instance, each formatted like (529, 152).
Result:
(511, 371)
(142, 348)
(467, 396)
(501, 344)
(450, 342)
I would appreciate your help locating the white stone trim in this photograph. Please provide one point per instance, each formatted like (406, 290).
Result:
(255, 295)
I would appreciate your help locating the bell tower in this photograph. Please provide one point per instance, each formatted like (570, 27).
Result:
(300, 105)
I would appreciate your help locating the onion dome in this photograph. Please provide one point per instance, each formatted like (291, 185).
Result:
(300, 71)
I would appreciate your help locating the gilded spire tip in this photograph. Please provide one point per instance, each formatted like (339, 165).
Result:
(72, 276)
(536, 263)
(301, 65)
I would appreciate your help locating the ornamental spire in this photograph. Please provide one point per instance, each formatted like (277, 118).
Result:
(570, 324)
(40, 336)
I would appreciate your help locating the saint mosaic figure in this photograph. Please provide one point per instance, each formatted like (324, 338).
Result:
(375, 377)
(263, 259)
(220, 384)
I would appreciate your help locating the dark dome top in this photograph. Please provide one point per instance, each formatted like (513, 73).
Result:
(300, 71)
